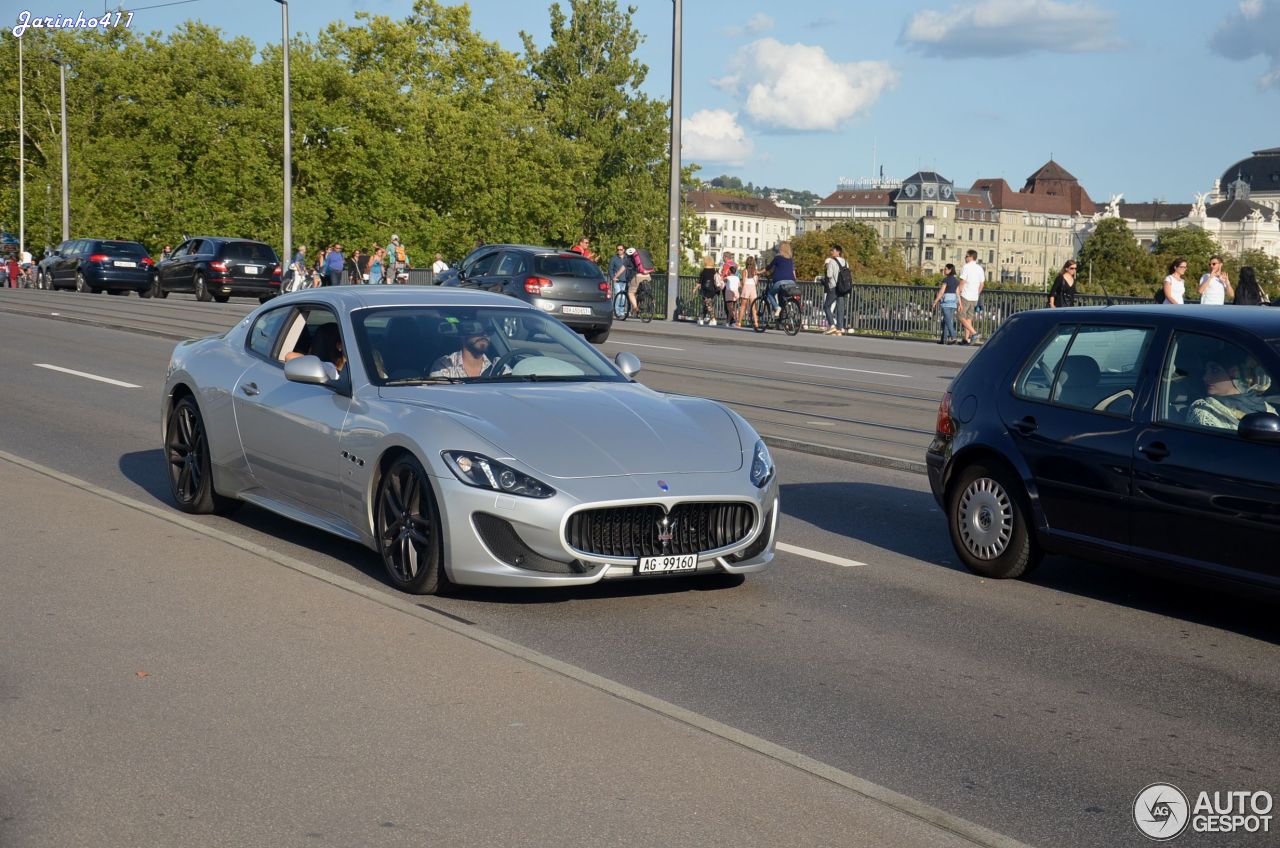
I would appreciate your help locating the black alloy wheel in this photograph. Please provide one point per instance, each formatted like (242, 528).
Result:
(408, 529)
(187, 456)
(202, 289)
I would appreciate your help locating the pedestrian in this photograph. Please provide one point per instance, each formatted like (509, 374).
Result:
(583, 248)
(439, 266)
(620, 270)
(709, 284)
(1215, 286)
(335, 263)
(377, 267)
(398, 258)
(1063, 292)
(972, 280)
(356, 263)
(1174, 289)
(834, 302)
(1249, 293)
(12, 271)
(781, 269)
(948, 298)
(747, 297)
(732, 286)
(166, 253)
(641, 273)
(297, 277)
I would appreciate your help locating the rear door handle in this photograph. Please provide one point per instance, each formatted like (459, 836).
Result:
(1155, 451)
(250, 389)
(1026, 425)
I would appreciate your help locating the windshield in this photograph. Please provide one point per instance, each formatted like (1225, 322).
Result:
(566, 265)
(249, 252)
(422, 345)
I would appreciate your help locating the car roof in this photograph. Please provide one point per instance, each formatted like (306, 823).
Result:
(1263, 321)
(226, 238)
(531, 248)
(347, 298)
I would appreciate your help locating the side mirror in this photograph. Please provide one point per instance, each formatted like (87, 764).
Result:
(628, 363)
(1260, 427)
(310, 369)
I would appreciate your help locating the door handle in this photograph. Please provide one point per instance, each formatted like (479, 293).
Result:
(250, 389)
(1026, 425)
(1155, 451)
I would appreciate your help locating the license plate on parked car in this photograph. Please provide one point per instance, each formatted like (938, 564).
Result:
(576, 310)
(121, 264)
(251, 269)
(667, 564)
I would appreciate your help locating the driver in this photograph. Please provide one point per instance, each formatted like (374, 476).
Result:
(471, 360)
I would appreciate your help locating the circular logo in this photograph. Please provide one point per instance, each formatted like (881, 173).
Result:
(1161, 812)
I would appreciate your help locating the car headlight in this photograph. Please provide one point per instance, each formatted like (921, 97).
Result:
(484, 473)
(761, 466)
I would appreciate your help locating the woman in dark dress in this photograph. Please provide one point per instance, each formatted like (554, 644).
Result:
(1063, 292)
(1248, 292)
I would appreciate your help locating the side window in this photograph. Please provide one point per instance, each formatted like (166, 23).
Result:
(512, 264)
(314, 331)
(1101, 368)
(484, 265)
(1210, 384)
(1036, 380)
(262, 335)
(180, 250)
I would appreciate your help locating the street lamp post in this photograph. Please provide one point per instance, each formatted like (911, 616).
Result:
(288, 134)
(673, 211)
(66, 186)
(22, 162)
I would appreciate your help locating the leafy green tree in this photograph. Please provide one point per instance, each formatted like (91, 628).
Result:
(1119, 265)
(1189, 243)
(868, 260)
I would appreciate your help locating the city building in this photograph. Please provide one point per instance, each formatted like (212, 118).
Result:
(747, 226)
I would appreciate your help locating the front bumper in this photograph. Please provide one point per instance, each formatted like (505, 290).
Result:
(473, 558)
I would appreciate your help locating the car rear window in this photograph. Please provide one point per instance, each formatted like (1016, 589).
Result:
(560, 265)
(249, 251)
(120, 248)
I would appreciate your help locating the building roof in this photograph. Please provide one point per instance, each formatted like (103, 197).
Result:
(1233, 210)
(1261, 171)
(1070, 199)
(1165, 213)
(858, 198)
(1050, 170)
(703, 202)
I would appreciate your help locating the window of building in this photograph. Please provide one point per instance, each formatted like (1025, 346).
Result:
(928, 211)
(971, 234)
(713, 224)
(981, 233)
(993, 235)
(991, 256)
(928, 254)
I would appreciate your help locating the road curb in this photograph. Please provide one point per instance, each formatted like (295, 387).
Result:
(847, 454)
(974, 833)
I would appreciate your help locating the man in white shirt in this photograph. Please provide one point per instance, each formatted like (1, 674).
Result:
(972, 279)
(439, 266)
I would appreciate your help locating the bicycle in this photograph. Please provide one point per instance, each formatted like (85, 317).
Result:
(787, 318)
(644, 304)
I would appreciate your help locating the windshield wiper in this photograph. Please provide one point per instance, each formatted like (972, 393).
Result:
(423, 381)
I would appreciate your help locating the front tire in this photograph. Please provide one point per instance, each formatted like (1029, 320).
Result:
(644, 303)
(157, 291)
(202, 289)
(407, 527)
(989, 519)
(186, 447)
(598, 336)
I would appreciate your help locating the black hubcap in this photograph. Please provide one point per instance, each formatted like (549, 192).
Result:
(186, 450)
(404, 523)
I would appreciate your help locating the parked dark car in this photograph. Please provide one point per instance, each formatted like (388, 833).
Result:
(96, 265)
(215, 268)
(563, 284)
(1144, 434)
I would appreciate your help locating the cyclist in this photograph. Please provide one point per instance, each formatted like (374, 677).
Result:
(642, 273)
(782, 269)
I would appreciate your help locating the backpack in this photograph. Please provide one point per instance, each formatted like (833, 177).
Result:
(400, 257)
(844, 280)
(643, 261)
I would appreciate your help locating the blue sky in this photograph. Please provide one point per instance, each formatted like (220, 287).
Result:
(1152, 99)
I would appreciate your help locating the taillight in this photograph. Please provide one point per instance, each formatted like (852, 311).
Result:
(946, 425)
(604, 290)
(148, 261)
(99, 257)
(535, 285)
(275, 273)
(219, 266)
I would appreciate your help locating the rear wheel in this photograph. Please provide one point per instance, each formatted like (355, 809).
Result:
(644, 302)
(789, 321)
(598, 336)
(222, 298)
(408, 529)
(82, 285)
(145, 292)
(202, 290)
(157, 291)
(264, 298)
(763, 313)
(989, 520)
(187, 451)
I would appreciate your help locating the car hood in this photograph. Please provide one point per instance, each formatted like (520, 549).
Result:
(588, 429)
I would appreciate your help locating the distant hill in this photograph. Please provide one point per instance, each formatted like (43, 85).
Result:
(734, 185)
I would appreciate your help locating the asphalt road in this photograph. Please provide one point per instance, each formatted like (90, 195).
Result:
(1036, 708)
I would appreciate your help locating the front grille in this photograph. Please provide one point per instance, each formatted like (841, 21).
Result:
(632, 531)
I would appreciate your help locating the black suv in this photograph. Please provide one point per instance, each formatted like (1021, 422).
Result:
(218, 268)
(95, 265)
(1144, 434)
(563, 284)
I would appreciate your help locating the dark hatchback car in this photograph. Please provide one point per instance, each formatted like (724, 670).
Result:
(215, 268)
(96, 265)
(1143, 434)
(563, 284)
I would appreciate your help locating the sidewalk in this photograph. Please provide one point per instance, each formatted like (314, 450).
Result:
(164, 684)
(865, 347)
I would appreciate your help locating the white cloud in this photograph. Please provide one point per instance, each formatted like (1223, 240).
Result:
(799, 87)
(1251, 31)
(714, 136)
(756, 24)
(989, 28)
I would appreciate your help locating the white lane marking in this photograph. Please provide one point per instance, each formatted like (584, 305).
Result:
(119, 383)
(822, 423)
(655, 347)
(818, 555)
(857, 370)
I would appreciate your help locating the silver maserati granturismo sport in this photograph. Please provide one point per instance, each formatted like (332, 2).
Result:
(465, 437)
